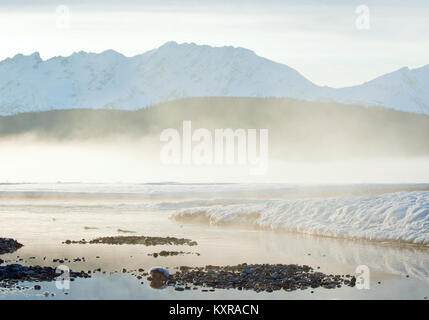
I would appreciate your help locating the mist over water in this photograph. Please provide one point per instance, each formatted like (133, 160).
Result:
(309, 143)
(33, 160)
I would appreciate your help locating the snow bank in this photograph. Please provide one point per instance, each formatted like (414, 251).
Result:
(402, 216)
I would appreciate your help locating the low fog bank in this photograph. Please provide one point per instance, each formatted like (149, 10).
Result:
(309, 142)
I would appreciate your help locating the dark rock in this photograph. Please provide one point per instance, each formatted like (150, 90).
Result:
(9, 245)
(11, 274)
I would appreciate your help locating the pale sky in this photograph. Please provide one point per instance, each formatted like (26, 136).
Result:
(318, 38)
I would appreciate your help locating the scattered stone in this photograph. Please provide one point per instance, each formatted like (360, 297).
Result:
(159, 271)
(158, 277)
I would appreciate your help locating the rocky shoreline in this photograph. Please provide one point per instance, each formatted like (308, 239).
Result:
(254, 277)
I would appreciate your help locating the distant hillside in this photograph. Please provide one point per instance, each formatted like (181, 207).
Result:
(298, 130)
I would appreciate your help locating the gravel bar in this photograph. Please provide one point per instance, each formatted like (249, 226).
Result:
(256, 277)
(147, 241)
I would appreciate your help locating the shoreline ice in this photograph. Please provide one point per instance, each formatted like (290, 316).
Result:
(399, 217)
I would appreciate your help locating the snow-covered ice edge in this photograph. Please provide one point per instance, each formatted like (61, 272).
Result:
(398, 217)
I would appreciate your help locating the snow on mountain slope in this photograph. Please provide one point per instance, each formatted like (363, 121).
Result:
(405, 89)
(110, 80)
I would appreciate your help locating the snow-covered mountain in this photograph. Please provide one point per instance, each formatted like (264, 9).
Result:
(405, 89)
(112, 81)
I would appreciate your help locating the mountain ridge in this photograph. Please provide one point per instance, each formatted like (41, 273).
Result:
(110, 80)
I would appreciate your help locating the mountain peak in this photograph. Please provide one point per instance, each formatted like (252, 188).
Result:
(111, 52)
(193, 45)
(35, 56)
(79, 53)
(169, 44)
